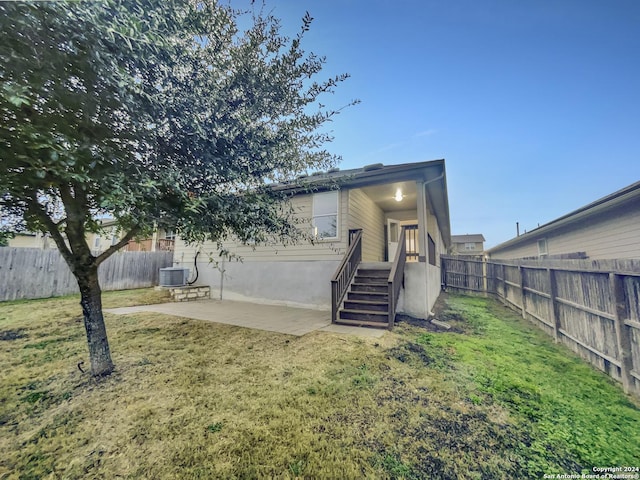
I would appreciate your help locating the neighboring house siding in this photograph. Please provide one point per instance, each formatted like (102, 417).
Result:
(614, 233)
(25, 241)
(365, 214)
(461, 248)
(477, 247)
(302, 251)
(529, 249)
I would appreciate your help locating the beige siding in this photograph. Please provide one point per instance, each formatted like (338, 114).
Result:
(528, 249)
(460, 248)
(301, 251)
(612, 234)
(433, 230)
(365, 214)
(403, 215)
(26, 241)
(433, 271)
(440, 247)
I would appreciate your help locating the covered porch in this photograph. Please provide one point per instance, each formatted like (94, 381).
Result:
(381, 212)
(391, 262)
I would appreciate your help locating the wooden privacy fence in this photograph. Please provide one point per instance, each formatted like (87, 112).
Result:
(595, 312)
(34, 273)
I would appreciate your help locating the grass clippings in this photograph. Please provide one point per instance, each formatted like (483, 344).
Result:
(192, 399)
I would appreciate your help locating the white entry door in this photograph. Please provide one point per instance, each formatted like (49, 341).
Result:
(393, 235)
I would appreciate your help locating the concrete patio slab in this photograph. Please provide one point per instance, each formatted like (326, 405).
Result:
(287, 320)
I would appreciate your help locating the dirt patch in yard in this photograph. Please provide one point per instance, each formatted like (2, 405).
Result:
(6, 335)
(442, 313)
(410, 351)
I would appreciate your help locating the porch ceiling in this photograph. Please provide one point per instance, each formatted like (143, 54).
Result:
(383, 195)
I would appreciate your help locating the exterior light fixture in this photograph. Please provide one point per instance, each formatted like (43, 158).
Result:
(398, 196)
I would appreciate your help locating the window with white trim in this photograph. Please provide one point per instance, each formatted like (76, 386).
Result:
(325, 215)
(542, 247)
(469, 246)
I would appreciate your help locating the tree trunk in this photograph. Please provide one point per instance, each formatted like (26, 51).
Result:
(91, 302)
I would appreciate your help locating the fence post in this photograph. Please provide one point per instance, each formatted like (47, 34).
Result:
(504, 284)
(618, 295)
(522, 299)
(465, 275)
(485, 282)
(553, 306)
(443, 273)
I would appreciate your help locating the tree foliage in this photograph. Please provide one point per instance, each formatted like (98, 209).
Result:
(156, 113)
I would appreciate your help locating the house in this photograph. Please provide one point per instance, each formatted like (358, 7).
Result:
(31, 240)
(161, 240)
(383, 228)
(608, 228)
(99, 242)
(469, 244)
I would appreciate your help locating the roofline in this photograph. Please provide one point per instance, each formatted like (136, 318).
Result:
(382, 175)
(468, 235)
(629, 192)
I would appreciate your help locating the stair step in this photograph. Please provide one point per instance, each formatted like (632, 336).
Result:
(364, 315)
(365, 279)
(371, 272)
(368, 287)
(371, 296)
(368, 305)
(361, 323)
(375, 265)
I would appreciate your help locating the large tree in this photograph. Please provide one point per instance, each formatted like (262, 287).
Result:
(159, 113)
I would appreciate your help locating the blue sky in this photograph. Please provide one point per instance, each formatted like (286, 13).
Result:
(534, 104)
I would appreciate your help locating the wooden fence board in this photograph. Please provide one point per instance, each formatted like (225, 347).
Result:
(592, 307)
(33, 273)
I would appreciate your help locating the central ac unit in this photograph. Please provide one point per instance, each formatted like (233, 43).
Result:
(173, 276)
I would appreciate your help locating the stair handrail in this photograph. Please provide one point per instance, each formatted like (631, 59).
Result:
(396, 275)
(344, 274)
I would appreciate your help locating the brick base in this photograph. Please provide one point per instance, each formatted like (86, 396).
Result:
(189, 293)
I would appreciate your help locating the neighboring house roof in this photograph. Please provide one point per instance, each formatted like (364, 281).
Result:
(616, 198)
(469, 238)
(432, 173)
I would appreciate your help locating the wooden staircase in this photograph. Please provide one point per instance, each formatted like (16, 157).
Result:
(367, 301)
(372, 290)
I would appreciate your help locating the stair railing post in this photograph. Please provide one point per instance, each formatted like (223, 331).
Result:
(344, 274)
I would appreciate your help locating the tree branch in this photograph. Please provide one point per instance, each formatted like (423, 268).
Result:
(77, 214)
(38, 211)
(114, 248)
(74, 215)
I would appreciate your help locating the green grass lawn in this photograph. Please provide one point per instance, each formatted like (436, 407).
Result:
(495, 398)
